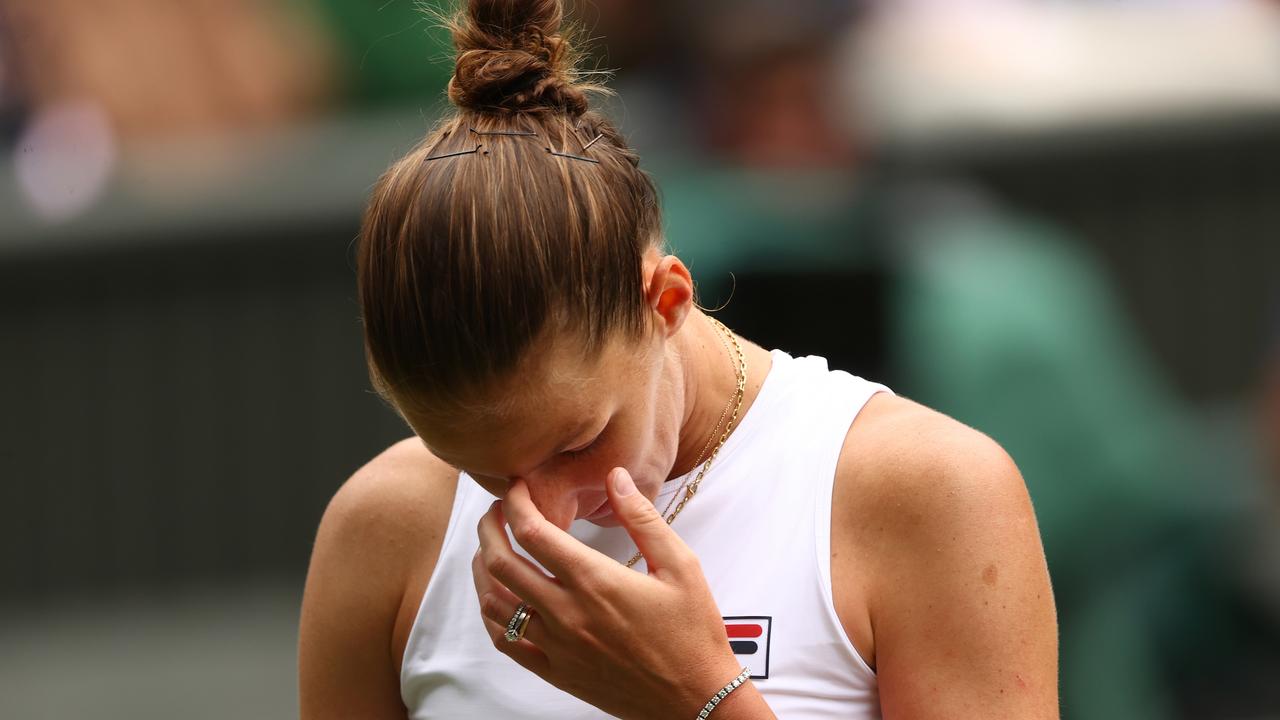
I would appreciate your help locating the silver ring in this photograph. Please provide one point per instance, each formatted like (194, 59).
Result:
(518, 623)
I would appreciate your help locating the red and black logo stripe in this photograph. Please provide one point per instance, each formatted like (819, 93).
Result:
(749, 638)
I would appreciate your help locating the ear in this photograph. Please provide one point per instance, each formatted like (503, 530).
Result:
(668, 290)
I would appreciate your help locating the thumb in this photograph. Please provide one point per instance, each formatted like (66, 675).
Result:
(660, 545)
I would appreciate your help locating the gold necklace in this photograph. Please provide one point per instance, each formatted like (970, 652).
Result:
(710, 438)
(692, 488)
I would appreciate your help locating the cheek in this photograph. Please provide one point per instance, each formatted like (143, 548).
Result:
(664, 428)
(651, 450)
(657, 436)
(631, 448)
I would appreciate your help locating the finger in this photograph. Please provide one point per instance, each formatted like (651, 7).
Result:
(558, 551)
(516, 573)
(498, 604)
(661, 546)
(486, 585)
(524, 652)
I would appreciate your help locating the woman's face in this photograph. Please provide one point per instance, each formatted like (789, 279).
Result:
(564, 421)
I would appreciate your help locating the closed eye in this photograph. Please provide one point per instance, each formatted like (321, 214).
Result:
(585, 450)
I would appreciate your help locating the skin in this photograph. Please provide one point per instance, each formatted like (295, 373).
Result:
(938, 574)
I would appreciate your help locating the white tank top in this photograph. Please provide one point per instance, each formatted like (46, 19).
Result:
(761, 527)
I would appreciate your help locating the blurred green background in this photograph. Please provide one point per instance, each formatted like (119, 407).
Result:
(1057, 222)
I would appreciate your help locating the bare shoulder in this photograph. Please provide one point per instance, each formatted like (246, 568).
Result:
(387, 512)
(901, 457)
(403, 490)
(378, 540)
(943, 576)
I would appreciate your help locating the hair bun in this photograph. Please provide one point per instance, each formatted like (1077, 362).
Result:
(511, 57)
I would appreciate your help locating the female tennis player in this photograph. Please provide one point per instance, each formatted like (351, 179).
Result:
(614, 506)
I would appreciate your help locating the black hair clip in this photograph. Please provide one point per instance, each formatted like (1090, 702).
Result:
(521, 133)
(573, 157)
(472, 151)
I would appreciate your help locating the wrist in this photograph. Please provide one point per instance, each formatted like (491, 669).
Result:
(729, 694)
(743, 702)
(744, 675)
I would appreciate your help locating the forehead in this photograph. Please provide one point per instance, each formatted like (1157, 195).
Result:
(558, 376)
(558, 392)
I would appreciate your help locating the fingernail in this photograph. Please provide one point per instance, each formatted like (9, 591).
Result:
(622, 483)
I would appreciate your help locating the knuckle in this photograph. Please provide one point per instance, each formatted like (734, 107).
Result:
(687, 562)
(497, 565)
(649, 518)
(527, 533)
(489, 605)
(590, 584)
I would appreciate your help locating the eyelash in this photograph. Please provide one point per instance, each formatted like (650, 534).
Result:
(585, 451)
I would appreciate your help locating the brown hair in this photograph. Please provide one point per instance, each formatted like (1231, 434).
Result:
(465, 260)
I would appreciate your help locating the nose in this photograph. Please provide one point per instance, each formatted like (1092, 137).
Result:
(562, 499)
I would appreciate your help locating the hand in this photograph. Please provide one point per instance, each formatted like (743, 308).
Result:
(633, 645)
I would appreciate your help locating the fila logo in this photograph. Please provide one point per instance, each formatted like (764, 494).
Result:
(749, 638)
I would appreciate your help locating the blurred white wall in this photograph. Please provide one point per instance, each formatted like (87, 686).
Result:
(921, 69)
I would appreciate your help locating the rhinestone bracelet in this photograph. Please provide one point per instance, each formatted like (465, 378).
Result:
(724, 692)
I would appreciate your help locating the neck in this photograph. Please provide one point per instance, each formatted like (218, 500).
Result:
(710, 382)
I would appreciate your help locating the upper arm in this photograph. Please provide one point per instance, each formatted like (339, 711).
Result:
(961, 606)
(368, 545)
